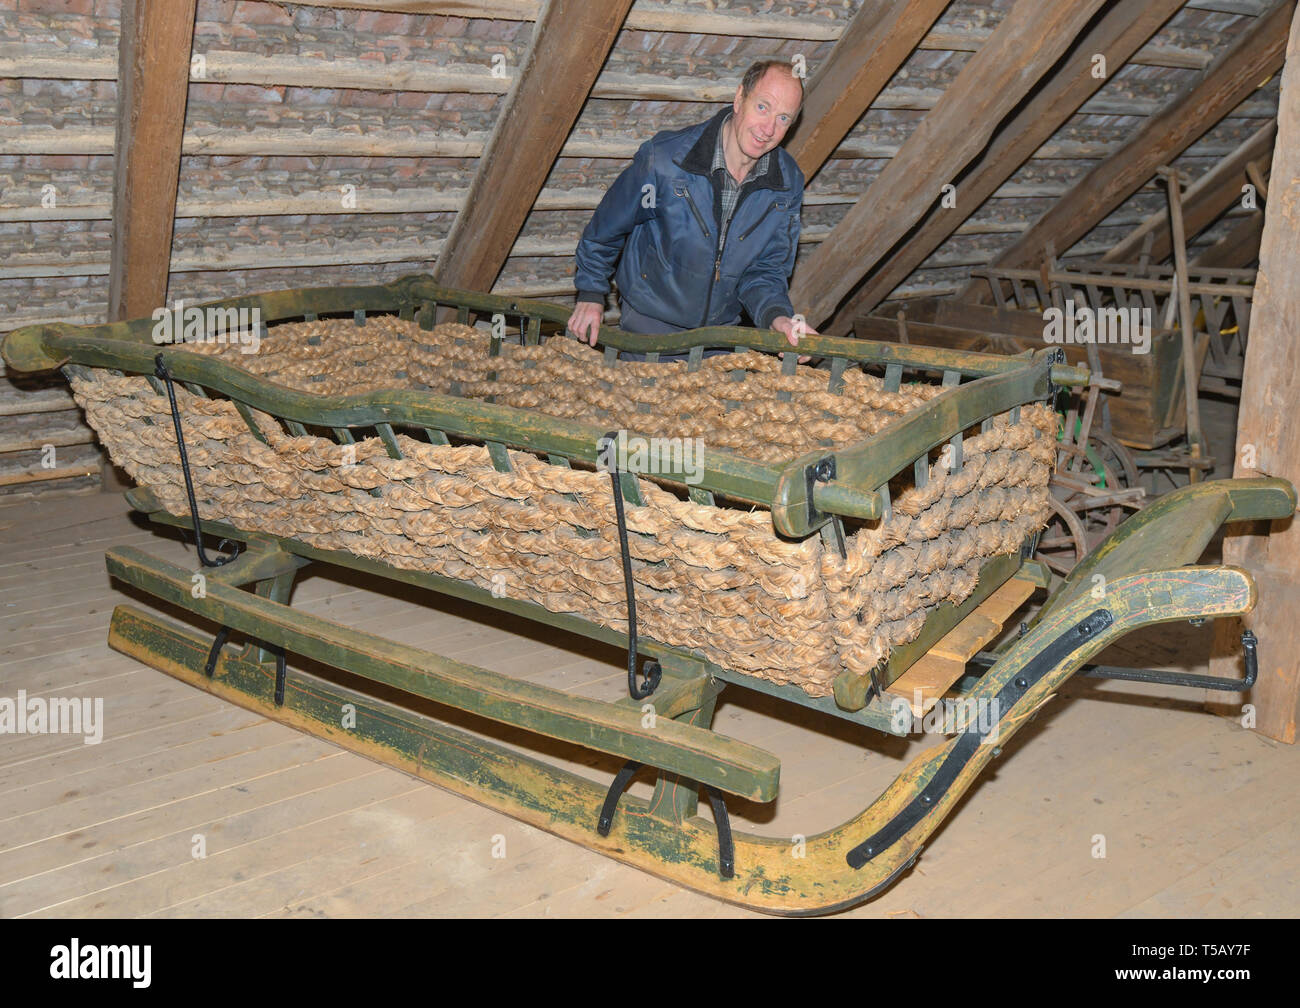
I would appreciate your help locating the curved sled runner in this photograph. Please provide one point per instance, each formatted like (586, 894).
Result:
(924, 474)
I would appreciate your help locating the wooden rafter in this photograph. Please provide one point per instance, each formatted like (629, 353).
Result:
(1203, 202)
(1254, 54)
(570, 44)
(1267, 443)
(674, 16)
(1030, 39)
(1239, 247)
(1116, 36)
(869, 52)
(153, 84)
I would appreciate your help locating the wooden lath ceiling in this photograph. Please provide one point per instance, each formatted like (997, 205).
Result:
(1018, 150)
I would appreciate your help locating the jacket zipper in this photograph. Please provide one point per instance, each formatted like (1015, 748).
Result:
(699, 217)
(770, 208)
(708, 300)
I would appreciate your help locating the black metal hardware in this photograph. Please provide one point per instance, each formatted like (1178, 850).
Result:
(652, 673)
(965, 748)
(726, 847)
(616, 789)
(821, 471)
(161, 370)
(1249, 645)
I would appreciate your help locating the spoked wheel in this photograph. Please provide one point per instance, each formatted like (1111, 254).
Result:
(1117, 457)
(1065, 540)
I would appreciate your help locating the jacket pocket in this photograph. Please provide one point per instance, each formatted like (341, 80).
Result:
(770, 207)
(695, 211)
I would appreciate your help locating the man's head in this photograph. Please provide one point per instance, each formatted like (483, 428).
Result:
(766, 105)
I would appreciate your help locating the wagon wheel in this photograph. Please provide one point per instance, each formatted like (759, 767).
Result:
(1065, 540)
(1117, 455)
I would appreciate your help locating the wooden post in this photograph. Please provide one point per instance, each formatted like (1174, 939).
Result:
(1191, 360)
(1268, 439)
(153, 84)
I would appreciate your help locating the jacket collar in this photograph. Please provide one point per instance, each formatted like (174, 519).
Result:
(699, 159)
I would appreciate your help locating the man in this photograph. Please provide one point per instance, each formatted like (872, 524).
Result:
(703, 223)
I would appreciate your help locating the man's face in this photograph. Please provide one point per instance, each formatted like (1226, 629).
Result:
(763, 116)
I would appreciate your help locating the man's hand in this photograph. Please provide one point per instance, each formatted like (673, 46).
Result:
(787, 327)
(585, 321)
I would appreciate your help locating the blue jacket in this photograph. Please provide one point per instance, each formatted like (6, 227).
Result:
(662, 214)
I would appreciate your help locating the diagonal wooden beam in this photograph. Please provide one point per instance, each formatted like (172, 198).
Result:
(153, 85)
(1254, 55)
(1238, 248)
(868, 54)
(1025, 45)
(1203, 202)
(570, 43)
(1117, 35)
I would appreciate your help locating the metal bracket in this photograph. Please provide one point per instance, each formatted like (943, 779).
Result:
(822, 471)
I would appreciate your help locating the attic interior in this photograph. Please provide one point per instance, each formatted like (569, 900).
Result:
(985, 184)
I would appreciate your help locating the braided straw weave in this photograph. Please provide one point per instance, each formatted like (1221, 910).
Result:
(713, 578)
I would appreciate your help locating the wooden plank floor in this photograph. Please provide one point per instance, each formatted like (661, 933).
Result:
(1199, 816)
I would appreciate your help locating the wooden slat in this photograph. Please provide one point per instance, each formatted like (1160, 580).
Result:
(569, 47)
(869, 52)
(945, 663)
(1031, 38)
(1253, 56)
(1116, 35)
(153, 76)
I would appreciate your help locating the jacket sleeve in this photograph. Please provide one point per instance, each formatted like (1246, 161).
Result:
(765, 286)
(627, 203)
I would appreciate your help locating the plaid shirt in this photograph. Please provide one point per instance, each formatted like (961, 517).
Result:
(730, 187)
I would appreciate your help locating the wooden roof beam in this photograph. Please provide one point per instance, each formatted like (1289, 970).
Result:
(570, 45)
(1238, 248)
(866, 57)
(1254, 55)
(1116, 36)
(1030, 39)
(153, 85)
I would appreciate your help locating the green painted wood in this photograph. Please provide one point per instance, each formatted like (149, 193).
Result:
(386, 435)
(697, 754)
(767, 877)
(499, 456)
(1174, 530)
(876, 717)
(36, 348)
(870, 463)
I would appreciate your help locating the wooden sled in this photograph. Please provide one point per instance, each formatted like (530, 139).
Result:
(826, 507)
